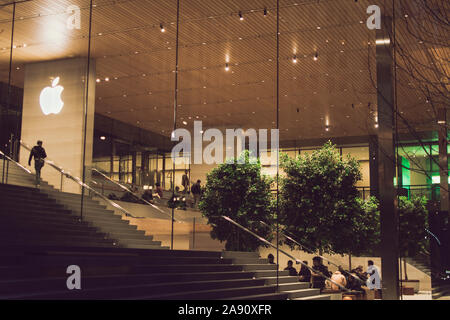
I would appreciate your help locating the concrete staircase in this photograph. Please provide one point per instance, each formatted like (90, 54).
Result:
(41, 234)
(420, 262)
(123, 273)
(95, 215)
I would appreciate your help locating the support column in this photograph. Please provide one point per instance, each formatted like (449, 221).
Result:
(133, 167)
(386, 161)
(373, 164)
(443, 159)
(438, 225)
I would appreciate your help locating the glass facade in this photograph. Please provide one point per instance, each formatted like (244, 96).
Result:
(105, 83)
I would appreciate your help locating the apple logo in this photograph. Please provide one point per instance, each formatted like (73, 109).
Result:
(50, 98)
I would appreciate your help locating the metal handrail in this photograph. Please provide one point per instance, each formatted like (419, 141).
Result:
(310, 250)
(282, 251)
(130, 191)
(82, 184)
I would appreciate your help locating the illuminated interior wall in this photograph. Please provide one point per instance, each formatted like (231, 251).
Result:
(61, 133)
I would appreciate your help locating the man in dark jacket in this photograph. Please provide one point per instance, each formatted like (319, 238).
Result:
(39, 155)
(318, 279)
(304, 275)
(291, 269)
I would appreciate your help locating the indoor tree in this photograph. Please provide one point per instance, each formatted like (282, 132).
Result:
(237, 189)
(320, 204)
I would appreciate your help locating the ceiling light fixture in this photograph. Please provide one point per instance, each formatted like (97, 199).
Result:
(265, 12)
(316, 57)
(241, 17)
(294, 59)
(162, 28)
(227, 67)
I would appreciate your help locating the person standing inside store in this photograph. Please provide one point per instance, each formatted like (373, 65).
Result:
(159, 190)
(196, 192)
(38, 153)
(185, 181)
(374, 281)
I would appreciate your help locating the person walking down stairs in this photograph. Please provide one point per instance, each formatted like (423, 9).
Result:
(38, 152)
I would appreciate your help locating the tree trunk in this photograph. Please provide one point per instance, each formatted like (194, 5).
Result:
(404, 264)
(350, 262)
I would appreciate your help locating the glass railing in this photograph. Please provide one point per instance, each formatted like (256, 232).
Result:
(126, 189)
(66, 174)
(5, 166)
(181, 233)
(277, 248)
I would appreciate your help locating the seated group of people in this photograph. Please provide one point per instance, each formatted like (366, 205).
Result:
(148, 195)
(353, 280)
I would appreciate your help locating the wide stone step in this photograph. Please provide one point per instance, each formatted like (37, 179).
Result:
(270, 273)
(132, 234)
(258, 267)
(143, 241)
(18, 212)
(301, 293)
(269, 296)
(144, 246)
(294, 286)
(38, 199)
(317, 297)
(191, 268)
(106, 281)
(239, 255)
(48, 225)
(38, 231)
(123, 292)
(61, 242)
(63, 218)
(24, 237)
(249, 261)
(273, 280)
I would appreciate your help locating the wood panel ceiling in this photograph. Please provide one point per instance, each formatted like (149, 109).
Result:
(139, 60)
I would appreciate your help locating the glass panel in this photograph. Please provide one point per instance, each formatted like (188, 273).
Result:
(10, 96)
(359, 153)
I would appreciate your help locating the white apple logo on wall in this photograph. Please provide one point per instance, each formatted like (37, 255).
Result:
(50, 98)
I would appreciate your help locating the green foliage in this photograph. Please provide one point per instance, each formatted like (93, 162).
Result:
(413, 219)
(320, 205)
(239, 191)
